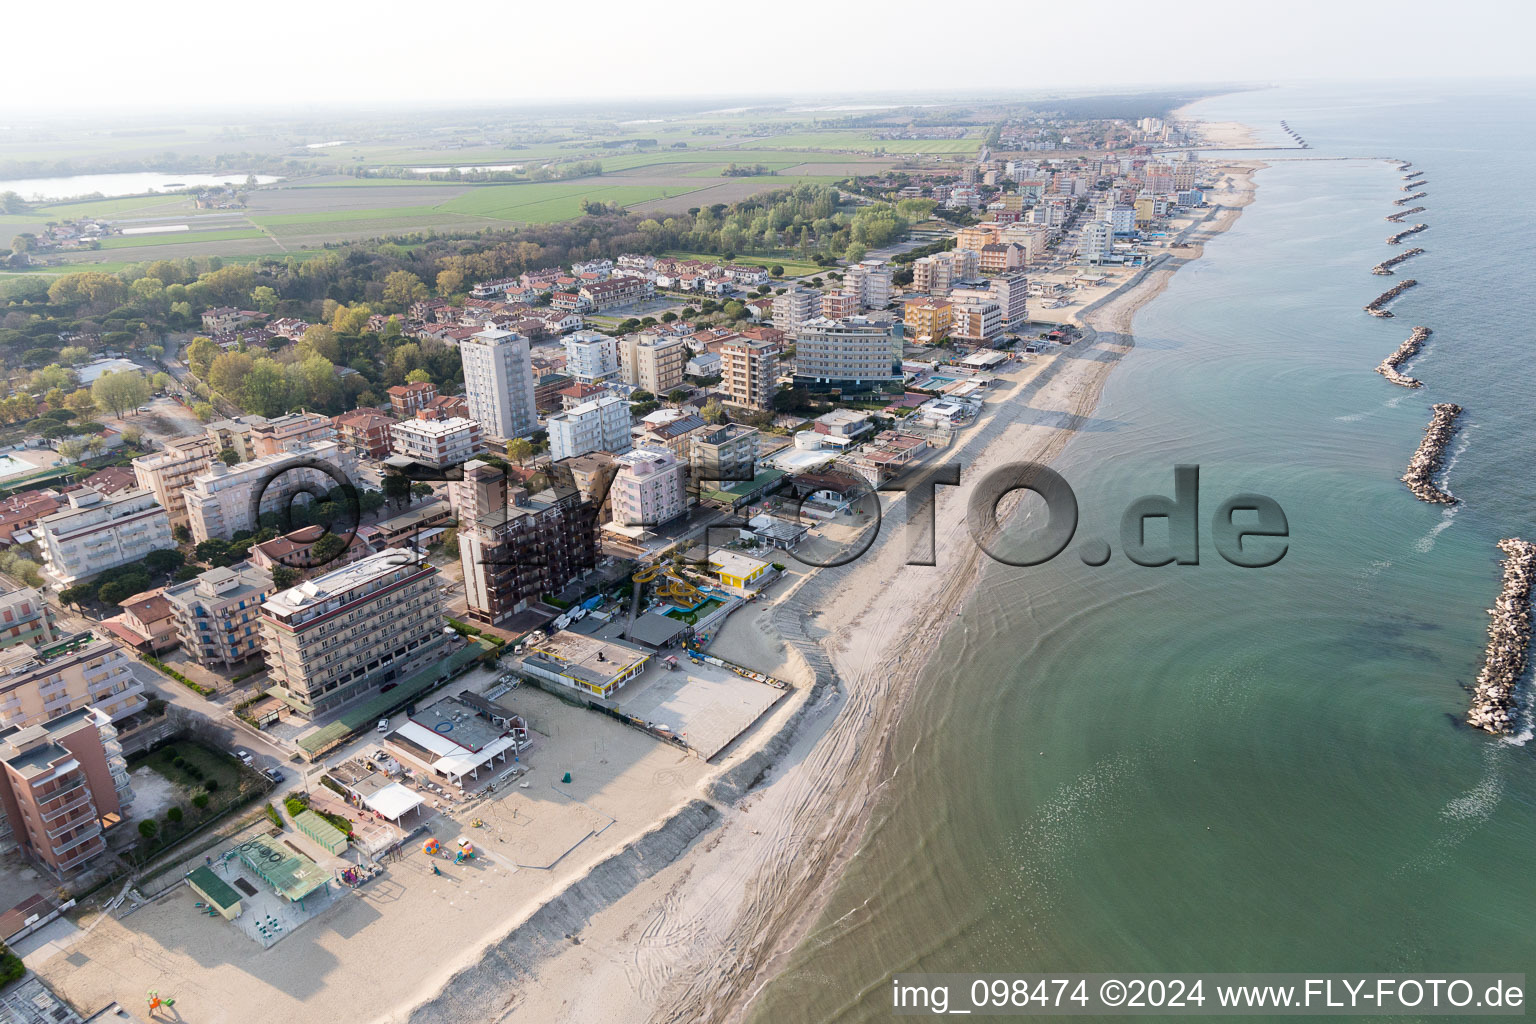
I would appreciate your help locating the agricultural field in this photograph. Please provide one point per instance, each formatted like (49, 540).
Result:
(179, 238)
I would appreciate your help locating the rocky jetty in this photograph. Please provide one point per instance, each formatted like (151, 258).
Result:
(1430, 458)
(1421, 183)
(1509, 640)
(1396, 218)
(1410, 177)
(1377, 306)
(1398, 238)
(1388, 367)
(1408, 199)
(1384, 268)
(1300, 142)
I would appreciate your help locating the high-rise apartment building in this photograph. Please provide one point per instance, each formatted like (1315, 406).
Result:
(39, 683)
(601, 425)
(870, 281)
(342, 635)
(854, 354)
(653, 362)
(217, 613)
(220, 501)
(749, 372)
(724, 454)
(167, 473)
(651, 488)
(61, 783)
(591, 357)
(795, 307)
(515, 547)
(498, 383)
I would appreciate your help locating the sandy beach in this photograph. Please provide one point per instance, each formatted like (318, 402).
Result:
(705, 875)
(698, 939)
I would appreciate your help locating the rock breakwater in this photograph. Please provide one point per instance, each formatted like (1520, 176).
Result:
(1384, 268)
(1397, 239)
(1377, 306)
(1430, 458)
(1388, 367)
(1408, 199)
(1396, 218)
(1509, 641)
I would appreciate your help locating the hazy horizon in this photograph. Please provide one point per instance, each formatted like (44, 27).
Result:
(296, 59)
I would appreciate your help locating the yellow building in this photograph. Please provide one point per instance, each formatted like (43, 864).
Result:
(1145, 207)
(735, 569)
(929, 320)
(976, 236)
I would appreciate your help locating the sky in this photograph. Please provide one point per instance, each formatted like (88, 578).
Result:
(313, 54)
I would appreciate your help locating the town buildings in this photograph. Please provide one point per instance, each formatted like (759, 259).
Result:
(61, 783)
(653, 362)
(296, 550)
(855, 354)
(216, 613)
(928, 320)
(723, 454)
(25, 618)
(976, 321)
(599, 425)
(498, 383)
(870, 282)
(796, 306)
(289, 432)
(439, 443)
(406, 400)
(591, 357)
(167, 473)
(938, 273)
(365, 431)
(650, 488)
(39, 683)
(96, 533)
(342, 635)
(222, 501)
(749, 372)
(514, 547)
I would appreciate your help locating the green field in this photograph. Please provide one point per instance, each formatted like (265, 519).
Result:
(180, 238)
(861, 142)
(546, 202)
(122, 207)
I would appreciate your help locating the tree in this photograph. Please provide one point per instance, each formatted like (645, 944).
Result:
(677, 396)
(163, 560)
(397, 488)
(147, 828)
(111, 593)
(421, 490)
(121, 391)
(264, 298)
(776, 270)
(713, 411)
(181, 534)
(204, 411)
(70, 451)
(284, 576)
(418, 377)
(77, 595)
(449, 282)
(401, 288)
(174, 815)
(320, 340)
(520, 450)
(201, 352)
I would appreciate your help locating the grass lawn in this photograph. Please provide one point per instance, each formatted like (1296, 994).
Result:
(125, 206)
(546, 202)
(212, 765)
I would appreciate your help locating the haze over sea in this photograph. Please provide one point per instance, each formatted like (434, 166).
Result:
(1212, 768)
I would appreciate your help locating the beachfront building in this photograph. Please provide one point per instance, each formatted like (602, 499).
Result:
(1122, 220)
(342, 635)
(290, 432)
(38, 683)
(438, 443)
(216, 613)
(586, 663)
(498, 383)
(1009, 292)
(653, 362)
(795, 307)
(167, 473)
(735, 569)
(61, 784)
(650, 488)
(598, 425)
(97, 532)
(749, 372)
(938, 273)
(515, 547)
(855, 354)
(219, 502)
(591, 357)
(25, 618)
(977, 322)
(1096, 242)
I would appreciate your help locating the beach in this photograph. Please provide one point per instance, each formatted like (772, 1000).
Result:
(711, 873)
(699, 939)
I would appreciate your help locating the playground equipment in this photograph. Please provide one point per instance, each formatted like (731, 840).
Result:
(668, 584)
(432, 847)
(152, 998)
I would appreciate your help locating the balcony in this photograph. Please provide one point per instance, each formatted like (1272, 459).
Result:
(68, 823)
(87, 834)
(86, 854)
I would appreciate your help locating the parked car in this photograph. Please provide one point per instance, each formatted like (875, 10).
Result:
(275, 774)
(244, 756)
(383, 725)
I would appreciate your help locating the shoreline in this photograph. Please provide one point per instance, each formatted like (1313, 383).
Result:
(700, 937)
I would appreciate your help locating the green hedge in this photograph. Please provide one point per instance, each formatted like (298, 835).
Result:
(11, 967)
(195, 687)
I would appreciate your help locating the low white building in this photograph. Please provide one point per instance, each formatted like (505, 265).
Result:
(98, 532)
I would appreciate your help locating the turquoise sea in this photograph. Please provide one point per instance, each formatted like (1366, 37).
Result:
(1222, 769)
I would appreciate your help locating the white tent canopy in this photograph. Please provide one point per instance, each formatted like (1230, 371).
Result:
(393, 801)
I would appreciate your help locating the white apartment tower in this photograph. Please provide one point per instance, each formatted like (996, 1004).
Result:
(870, 283)
(795, 307)
(591, 357)
(651, 488)
(601, 425)
(97, 532)
(498, 382)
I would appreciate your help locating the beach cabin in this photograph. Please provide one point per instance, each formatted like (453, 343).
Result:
(735, 569)
(216, 892)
